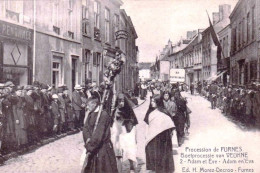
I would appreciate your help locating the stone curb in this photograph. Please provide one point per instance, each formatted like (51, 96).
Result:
(35, 146)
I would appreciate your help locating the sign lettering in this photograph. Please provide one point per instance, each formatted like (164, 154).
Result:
(18, 32)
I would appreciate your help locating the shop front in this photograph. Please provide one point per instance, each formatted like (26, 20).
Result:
(15, 53)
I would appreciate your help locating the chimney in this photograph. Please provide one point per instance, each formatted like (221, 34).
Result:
(189, 35)
(215, 17)
(194, 33)
(224, 11)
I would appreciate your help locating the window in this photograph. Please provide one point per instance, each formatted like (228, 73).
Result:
(234, 35)
(74, 70)
(107, 25)
(13, 9)
(253, 23)
(56, 30)
(85, 10)
(86, 27)
(248, 27)
(116, 28)
(56, 71)
(70, 4)
(71, 34)
(55, 13)
(97, 14)
(87, 66)
(253, 70)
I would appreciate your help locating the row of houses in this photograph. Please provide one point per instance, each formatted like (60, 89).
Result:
(65, 42)
(237, 63)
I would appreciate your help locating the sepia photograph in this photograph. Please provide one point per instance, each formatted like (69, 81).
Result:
(129, 86)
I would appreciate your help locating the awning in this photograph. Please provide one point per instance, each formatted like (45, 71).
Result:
(215, 77)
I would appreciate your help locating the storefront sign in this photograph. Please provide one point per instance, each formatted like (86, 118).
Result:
(121, 34)
(15, 31)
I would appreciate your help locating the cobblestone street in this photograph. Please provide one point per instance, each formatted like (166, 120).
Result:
(61, 156)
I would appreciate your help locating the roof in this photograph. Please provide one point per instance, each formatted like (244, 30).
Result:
(144, 65)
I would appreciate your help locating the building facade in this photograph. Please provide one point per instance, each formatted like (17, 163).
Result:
(224, 62)
(145, 71)
(64, 41)
(244, 58)
(209, 50)
(192, 57)
(58, 47)
(16, 42)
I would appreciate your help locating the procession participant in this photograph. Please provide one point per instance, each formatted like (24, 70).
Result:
(213, 91)
(124, 131)
(192, 88)
(30, 115)
(70, 116)
(157, 89)
(56, 114)
(136, 90)
(143, 90)
(20, 119)
(100, 156)
(158, 149)
(77, 104)
(62, 110)
(181, 116)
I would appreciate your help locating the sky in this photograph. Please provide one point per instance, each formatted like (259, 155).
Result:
(157, 21)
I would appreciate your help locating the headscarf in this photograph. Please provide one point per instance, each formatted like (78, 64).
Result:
(160, 107)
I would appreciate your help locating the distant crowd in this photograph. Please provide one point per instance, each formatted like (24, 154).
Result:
(241, 103)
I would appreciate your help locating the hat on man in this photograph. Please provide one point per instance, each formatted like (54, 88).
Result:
(44, 86)
(55, 96)
(28, 87)
(19, 88)
(9, 84)
(2, 86)
(77, 87)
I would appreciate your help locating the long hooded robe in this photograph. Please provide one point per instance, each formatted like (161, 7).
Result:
(102, 158)
(158, 149)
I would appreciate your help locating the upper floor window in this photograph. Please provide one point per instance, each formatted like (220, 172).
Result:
(55, 13)
(96, 14)
(253, 23)
(107, 25)
(70, 4)
(116, 28)
(13, 9)
(85, 10)
(248, 27)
